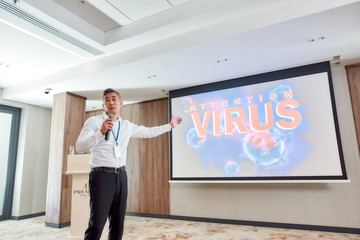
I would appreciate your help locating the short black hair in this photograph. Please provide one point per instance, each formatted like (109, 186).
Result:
(109, 90)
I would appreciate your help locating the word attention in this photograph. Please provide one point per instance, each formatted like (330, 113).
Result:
(235, 116)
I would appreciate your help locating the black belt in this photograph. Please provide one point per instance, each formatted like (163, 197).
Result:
(109, 169)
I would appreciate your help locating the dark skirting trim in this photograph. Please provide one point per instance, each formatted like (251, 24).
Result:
(52, 225)
(56, 225)
(254, 223)
(27, 216)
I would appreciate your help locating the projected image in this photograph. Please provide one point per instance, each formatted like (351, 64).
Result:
(250, 134)
(276, 128)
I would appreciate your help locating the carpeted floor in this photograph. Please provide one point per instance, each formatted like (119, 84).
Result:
(141, 228)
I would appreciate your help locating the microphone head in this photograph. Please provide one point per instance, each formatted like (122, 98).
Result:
(111, 116)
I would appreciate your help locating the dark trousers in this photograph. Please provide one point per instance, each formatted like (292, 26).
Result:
(108, 195)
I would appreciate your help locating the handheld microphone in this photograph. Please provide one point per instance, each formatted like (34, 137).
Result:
(107, 134)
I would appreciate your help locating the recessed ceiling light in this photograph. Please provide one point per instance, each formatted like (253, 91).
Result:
(4, 65)
(312, 40)
(222, 60)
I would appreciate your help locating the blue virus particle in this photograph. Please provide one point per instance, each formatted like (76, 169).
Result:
(265, 148)
(280, 91)
(231, 169)
(194, 140)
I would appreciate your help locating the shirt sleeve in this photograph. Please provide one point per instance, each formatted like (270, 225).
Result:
(149, 132)
(89, 136)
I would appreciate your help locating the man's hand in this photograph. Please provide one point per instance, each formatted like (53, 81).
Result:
(107, 125)
(175, 121)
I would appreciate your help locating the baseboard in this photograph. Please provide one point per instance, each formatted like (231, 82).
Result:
(56, 225)
(52, 225)
(27, 216)
(254, 223)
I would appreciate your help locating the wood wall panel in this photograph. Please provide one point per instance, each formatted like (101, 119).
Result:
(147, 162)
(353, 75)
(133, 163)
(155, 161)
(67, 120)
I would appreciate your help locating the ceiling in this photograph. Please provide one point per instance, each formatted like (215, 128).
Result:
(145, 48)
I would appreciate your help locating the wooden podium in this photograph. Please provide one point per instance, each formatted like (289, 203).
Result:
(78, 167)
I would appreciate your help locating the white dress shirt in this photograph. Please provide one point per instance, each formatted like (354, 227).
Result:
(106, 153)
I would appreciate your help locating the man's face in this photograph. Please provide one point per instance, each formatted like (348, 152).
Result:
(112, 103)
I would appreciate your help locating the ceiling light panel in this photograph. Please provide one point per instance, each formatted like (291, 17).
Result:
(138, 9)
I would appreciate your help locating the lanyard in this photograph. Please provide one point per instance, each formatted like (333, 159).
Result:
(117, 136)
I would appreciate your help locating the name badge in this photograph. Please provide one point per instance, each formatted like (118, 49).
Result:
(117, 151)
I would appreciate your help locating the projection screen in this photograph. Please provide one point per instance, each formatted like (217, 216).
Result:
(279, 125)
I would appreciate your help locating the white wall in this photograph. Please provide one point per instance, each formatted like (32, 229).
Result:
(32, 159)
(325, 204)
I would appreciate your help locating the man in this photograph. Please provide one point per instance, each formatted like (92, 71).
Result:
(108, 179)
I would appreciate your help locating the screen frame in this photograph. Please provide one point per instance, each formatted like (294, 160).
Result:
(322, 67)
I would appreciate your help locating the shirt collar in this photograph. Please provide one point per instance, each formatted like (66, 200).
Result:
(105, 116)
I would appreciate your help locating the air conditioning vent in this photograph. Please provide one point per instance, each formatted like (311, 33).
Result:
(43, 25)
